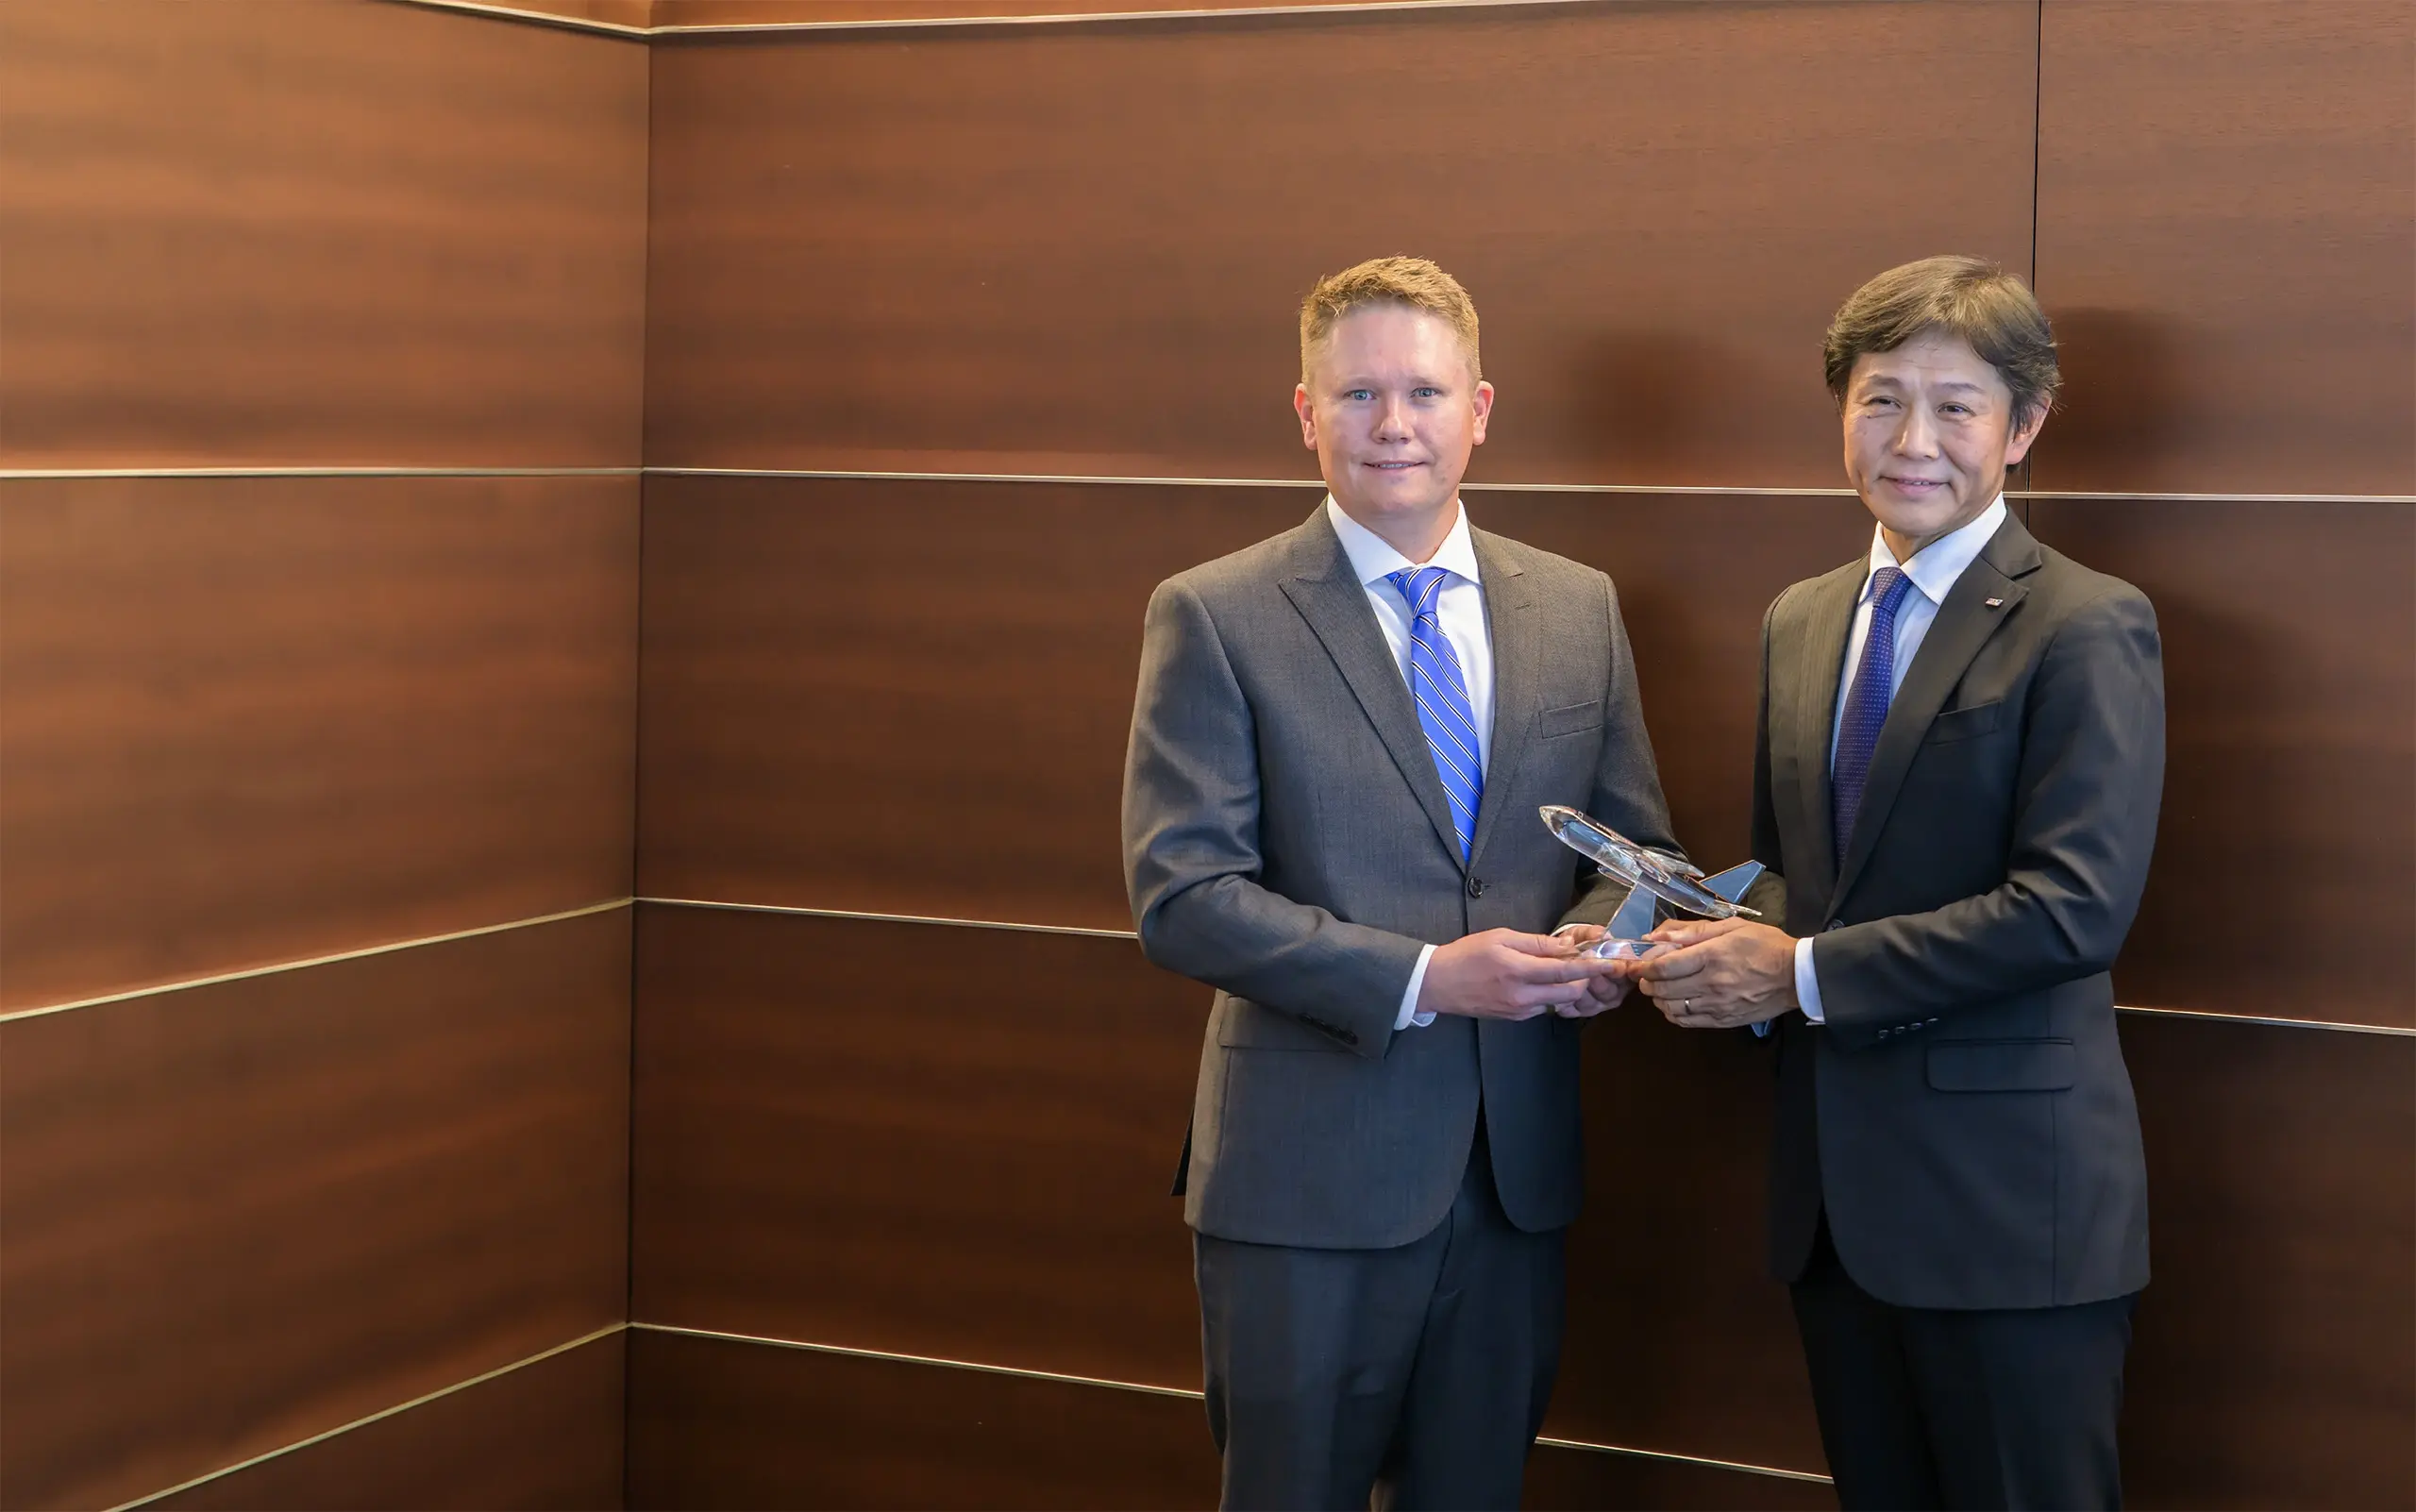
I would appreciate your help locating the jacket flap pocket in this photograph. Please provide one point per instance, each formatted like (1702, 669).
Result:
(2003, 1065)
(1244, 1024)
(1568, 719)
(1964, 724)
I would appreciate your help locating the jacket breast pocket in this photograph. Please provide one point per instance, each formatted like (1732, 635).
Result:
(2003, 1065)
(1964, 724)
(1568, 719)
(1246, 1025)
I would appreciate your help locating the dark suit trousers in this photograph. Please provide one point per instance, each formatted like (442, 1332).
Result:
(1418, 1375)
(1926, 1409)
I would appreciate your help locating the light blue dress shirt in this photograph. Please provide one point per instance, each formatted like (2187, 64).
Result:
(1460, 609)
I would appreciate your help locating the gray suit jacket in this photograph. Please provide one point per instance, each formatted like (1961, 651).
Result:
(1964, 1117)
(1287, 842)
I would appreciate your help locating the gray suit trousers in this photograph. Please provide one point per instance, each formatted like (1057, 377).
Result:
(1410, 1377)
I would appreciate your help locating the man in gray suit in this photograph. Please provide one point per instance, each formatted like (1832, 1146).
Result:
(1340, 741)
(1960, 756)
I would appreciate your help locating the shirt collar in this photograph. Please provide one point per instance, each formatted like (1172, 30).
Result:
(1374, 560)
(1935, 566)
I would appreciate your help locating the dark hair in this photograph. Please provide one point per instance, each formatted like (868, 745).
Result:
(1969, 297)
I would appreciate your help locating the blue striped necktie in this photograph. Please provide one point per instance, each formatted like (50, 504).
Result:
(1442, 696)
(1866, 710)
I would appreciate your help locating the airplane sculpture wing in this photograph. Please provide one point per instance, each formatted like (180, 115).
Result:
(1653, 876)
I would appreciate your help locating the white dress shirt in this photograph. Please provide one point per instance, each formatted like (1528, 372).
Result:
(1934, 570)
(1460, 609)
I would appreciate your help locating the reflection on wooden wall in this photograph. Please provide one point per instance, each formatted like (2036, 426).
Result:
(247, 722)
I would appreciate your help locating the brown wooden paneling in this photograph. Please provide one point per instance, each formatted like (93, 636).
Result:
(246, 720)
(234, 1216)
(834, 1146)
(914, 697)
(317, 232)
(2289, 832)
(1694, 573)
(905, 697)
(1579, 1479)
(717, 1424)
(2274, 1363)
(1677, 1339)
(809, 13)
(1080, 249)
(546, 1436)
(2227, 218)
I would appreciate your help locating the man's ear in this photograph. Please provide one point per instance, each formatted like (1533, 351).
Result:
(1481, 402)
(2017, 445)
(1308, 414)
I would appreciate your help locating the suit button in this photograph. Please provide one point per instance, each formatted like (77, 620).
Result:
(1349, 1038)
(1836, 924)
(1476, 887)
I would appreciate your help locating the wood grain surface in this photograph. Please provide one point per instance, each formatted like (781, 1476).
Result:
(1081, 249)
(317, 232)
(238, 1216)
(252, 720)
(2289, 830)
(715, 1424)
(832, 1147)
(547, 1436)
(2227, 218)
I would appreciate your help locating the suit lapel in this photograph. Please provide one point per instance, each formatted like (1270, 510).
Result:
(1517, 674)
(1329, 595)
(1963, 624)
(1820, 653)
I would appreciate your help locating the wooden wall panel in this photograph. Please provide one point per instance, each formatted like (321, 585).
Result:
(2227, 218)
(1677, 1338)
(247, 720)
(2274, 1363)
(2289, 830)
(1028, 249)
(296, 232)
(837, 1146)
(877, 744)
(827, 12)
(1582, 1480)
(546, 1436)
(241, 1215)
(718, 1423)
(902, 697)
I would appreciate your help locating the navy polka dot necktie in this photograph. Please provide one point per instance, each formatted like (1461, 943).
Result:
(1866, 710)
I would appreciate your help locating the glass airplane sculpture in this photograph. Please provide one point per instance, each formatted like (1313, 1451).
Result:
(1654, 876)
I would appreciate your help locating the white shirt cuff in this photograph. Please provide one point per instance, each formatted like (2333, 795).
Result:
(1807, 985)
(1409, 1016)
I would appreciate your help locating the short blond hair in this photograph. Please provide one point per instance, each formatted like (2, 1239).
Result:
(1411, 283)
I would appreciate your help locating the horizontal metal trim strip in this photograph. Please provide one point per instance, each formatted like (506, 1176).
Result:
(2341, 1025)
(853, 1352)
(1771, 1470)
(1076, 18)
(308, 962)
(32, 474)
(1714, 489)
(888, 918)
(7, 474)
(539, 17)
(914, 1359)
(375, 1416)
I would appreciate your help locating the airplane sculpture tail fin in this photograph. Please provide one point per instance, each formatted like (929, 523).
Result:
(1730, 884)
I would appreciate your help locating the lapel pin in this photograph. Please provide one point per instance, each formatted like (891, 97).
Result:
(1996, 603)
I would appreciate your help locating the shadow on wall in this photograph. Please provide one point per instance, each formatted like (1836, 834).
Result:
(2118, 422)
